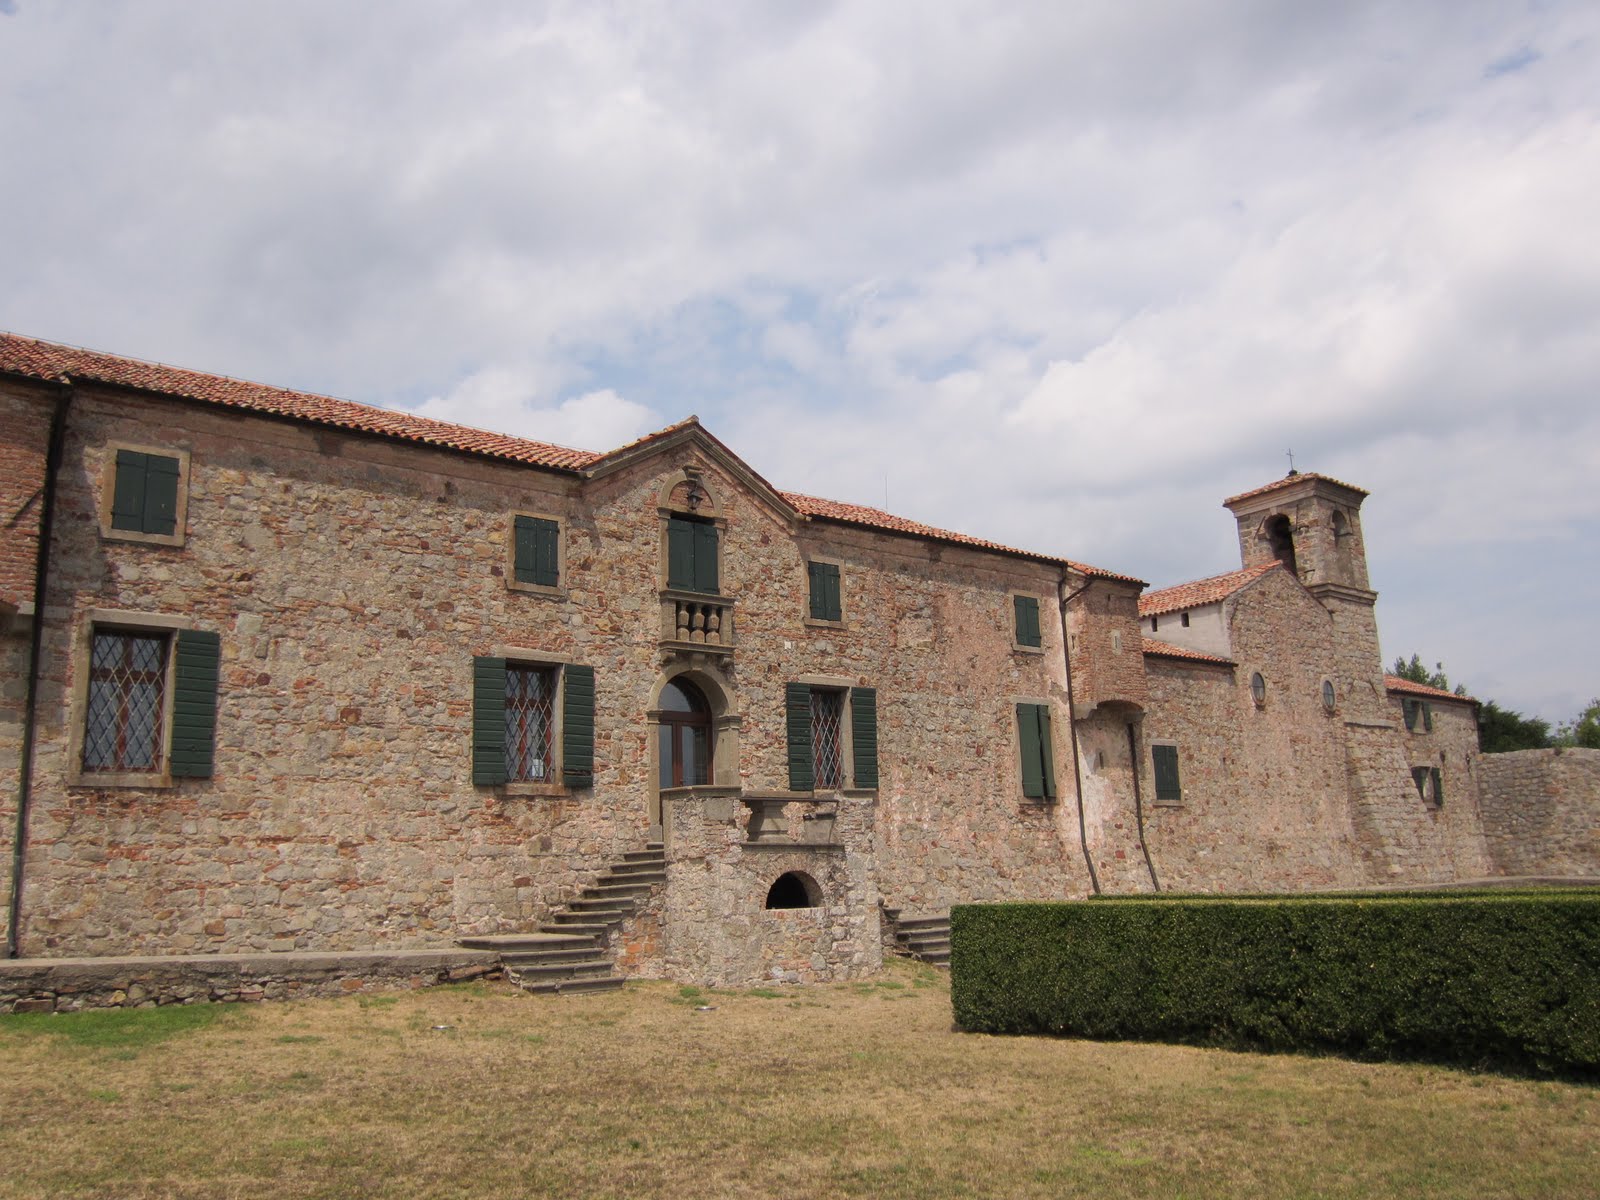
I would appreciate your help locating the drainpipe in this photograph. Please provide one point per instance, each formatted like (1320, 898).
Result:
(30, 715)
(1072, 724)
(1138, 804)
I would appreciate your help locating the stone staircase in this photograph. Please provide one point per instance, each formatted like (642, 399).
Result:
(926, 938)
(570, 953)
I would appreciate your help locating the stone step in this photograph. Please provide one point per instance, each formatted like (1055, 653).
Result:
(600, 906)
(595, 930)
(520, 958)
(923, 949)
(644, 856)
(587, 968)
(565, 987)
(605, 916)
(565, 939)
(910, 924)
(617, 889)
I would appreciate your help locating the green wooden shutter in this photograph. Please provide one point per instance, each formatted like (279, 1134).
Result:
(1409, 706)
(1047, 751)
(1165, 761)
(1028, 739)
(160, 494)
(197, 666)
(1419, 776)
(1438, 787)
(825, 604)
(1027, 612)
(705, 558)
(489, 721)
(864, 736)
(538, 551)
(1427, 716)
(128, 490)
(797, 706)
(680, 553)
(577, 727)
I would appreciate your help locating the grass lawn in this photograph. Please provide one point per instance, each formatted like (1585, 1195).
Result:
(845, 1090)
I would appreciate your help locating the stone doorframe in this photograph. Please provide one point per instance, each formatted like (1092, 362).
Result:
(725, 722)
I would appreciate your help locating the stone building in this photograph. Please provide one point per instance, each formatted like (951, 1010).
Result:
(293, 673)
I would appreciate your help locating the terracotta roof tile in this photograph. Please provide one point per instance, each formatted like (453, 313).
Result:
(1295, 478)
(1200, 591)
(46, 360)
(1396, 684)
(872, 518)
(1168, 650)
(35, 359)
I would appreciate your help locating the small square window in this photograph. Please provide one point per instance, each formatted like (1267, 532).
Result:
(826, 602)
(146, 495)
(1026, 631)
(535, 552)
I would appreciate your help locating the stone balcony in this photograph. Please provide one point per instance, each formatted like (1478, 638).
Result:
(697, 622)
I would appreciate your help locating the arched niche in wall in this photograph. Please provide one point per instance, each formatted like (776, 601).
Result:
(794, 889)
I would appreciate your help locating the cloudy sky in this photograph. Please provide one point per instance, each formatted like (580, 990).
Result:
(1060, 274)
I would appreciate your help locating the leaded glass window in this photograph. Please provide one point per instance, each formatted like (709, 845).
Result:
(127, 702)
(530, 722)
(827, 713)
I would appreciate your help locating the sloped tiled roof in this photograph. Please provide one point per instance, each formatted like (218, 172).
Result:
(47, 360)
(1396, 684)
(34, 359)
(1168, 650)
(872, 518)
(1201, 591)
(1297, 477)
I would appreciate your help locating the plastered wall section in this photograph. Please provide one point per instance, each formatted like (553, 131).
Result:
(1265, 806)
(1541, 811)
(353, 580)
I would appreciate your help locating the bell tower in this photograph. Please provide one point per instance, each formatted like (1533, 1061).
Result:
(1312, 525)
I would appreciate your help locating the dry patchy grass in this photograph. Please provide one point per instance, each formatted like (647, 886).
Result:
(849, 1090)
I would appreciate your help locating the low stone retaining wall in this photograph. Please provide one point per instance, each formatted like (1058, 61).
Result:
(70, 984)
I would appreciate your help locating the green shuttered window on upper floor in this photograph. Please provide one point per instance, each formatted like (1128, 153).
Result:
(1038, 751)
(1027, 620)
(826, 602)
(512, 734)
(144, 496)
(692, 546)
(537, 558)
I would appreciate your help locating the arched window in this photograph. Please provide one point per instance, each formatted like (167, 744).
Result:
(685, 736)
(1280, 537)
(793, 889)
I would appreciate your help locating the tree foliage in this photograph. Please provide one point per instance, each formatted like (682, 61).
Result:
(1501, 729)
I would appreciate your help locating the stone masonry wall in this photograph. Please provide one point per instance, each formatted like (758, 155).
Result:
(1541, 811)
(352, 580)
(1264, 803)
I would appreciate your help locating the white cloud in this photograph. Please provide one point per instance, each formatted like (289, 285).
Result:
(1064, 276)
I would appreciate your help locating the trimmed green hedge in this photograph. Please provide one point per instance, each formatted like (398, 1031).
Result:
(1504, 980)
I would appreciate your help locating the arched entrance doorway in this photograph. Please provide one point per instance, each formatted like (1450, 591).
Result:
(684, 743)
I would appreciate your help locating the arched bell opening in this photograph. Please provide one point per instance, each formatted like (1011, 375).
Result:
(794, 889)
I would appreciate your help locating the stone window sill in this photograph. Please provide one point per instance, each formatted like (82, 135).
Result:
(147, 780)
(528, 787)
(819, 623)
(1017, 649)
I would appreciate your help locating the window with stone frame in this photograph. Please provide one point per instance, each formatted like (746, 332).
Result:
(530, 722)
(149, 704)
(145, 496)
(126, 715)
(832, 736)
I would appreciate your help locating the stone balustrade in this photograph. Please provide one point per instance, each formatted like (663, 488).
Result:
(692, 619)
